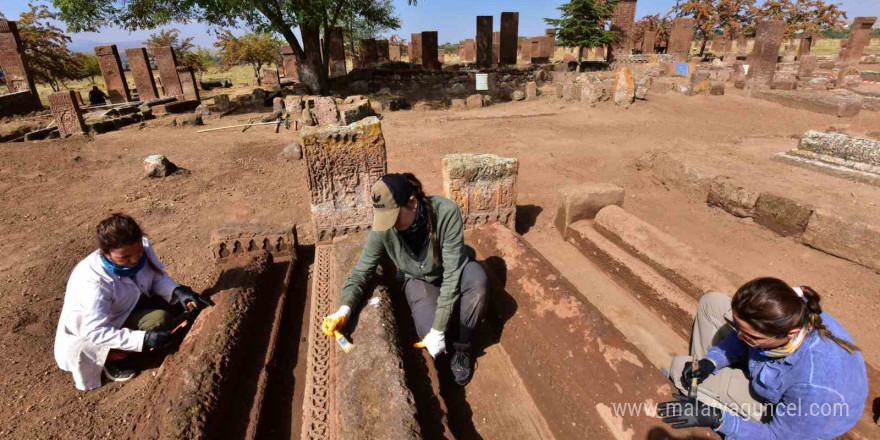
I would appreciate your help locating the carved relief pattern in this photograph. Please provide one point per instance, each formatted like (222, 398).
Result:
(316, 402)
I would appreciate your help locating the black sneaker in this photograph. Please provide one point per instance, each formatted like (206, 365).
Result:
(460, 364)
(118, 373)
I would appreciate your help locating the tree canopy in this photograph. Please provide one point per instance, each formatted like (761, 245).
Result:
(253, 49)
(582, 24)
(45, 46)
(810, 16)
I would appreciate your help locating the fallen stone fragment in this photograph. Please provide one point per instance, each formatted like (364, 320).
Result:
(583, 201)
(624, 87)
(158, 165)
(292, 151)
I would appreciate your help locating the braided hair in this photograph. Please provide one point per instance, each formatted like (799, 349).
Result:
(773, 308)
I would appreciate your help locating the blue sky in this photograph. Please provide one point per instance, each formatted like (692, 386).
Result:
(453, 19)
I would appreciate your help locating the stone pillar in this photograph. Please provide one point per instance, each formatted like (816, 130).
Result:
(394, 52)
(648, 41)
(188, 83)
(337, 53)
(622, 23)
(343, 163)
(509, 36)
(166, 61)
(484, 41)
(430, 58)
(483, 186)
(369, 52)
(742, 46)
(111, 70)
(14, 63)
(271, 79)
(139, 65)
(288, 63)
(470, 50)
(382, 50)
(66, 112)
(859, 38)
(765, 53)
(680, 38)
(550, 42)
(806, 65)
(805, 45)
(415, 48)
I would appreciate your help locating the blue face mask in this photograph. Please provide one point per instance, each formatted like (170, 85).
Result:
(124, 271)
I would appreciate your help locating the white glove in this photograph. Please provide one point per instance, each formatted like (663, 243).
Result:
(335, 321)
(434, 341)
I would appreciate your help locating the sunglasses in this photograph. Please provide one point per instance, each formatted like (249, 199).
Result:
(748, 339)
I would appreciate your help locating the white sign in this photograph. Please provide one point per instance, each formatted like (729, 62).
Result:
(746, 69)
(482, 81)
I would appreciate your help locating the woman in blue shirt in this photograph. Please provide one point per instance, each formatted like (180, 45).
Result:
(779, 366)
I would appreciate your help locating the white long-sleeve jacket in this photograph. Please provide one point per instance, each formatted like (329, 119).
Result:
(96, 304)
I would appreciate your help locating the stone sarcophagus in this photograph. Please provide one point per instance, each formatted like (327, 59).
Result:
(343, 163)
(483, 186)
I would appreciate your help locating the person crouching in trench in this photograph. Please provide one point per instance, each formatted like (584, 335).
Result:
(117, 302)
(424, 237)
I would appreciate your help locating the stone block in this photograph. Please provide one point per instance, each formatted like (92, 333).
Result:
(859, 38)
(806, 65)
(680, 38)
(483, 186)
(355, 111)
(484, 41)
(583, 202)
(343, 162)
(459, 104)
(517, 95)
(289, 64)
(325, 111)
(475, 101)
(846, 238)
(187, 120)
(843, 104)
(18, 76)
(572, 92)
(623, 24)
(235, 239)
(337, 54)
(716, 88)
(139, 65)
(415, 48)
(624, 87)
(66, 113)
(114, 76)
(560, 90)
(765, 52)
(643, 85)
(731, 197)
(531, 90)
(271, 79)
(166, 62)
(509, 35)
(430, 55)
(222, 103)
(841, 146)
(782, 215)
(176, 107)
(158, 165)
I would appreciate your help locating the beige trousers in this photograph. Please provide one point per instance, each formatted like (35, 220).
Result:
(728, 388)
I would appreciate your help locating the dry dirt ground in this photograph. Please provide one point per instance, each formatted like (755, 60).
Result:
(53, 193)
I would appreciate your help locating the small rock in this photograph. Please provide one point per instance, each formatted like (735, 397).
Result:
(187, 119)
(292, 151)
(203, 110)
(532, 90)
(459, 104)
(475, 101)
(518, 95)
(158, 165)
(384, 91)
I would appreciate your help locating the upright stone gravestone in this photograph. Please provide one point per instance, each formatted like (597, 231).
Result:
(509, 36)
(188, 83)
(649, 39)
(805, 45)
(742, 46)
(765, 53)
(66, 113)
(382, 50)
(622, 23)
(166, 61)
(549, 42)
(394, 52)
(139, 65)
(468, 50)
(111, 70)
(415, 49)
(483, 186)
(806, 65)
(430, 60)
(337, 53)
(289, 65)
(271, 79)
(484, 41)
(13, 61)
(343, 163)
(859, 38)
(369, 52)
(680, 38)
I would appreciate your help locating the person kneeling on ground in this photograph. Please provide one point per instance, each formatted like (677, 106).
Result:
(424, 237)
(771, 347)
(107, 310)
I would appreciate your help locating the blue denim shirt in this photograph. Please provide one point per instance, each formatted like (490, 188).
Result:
(817, 392)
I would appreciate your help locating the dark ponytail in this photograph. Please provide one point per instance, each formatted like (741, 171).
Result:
(419, 194)
(773, 308)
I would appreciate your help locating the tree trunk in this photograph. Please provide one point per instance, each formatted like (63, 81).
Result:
(311, 70)
(580, 58)
(256, 67)
(703, 47)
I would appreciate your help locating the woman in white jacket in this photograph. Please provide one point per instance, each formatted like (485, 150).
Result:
(102, 321)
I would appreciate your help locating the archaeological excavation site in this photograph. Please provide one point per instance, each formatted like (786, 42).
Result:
(583, 220)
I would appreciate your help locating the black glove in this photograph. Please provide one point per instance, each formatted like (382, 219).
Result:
(705, 369)
(157, 339)
(185, 295)
(688, 412)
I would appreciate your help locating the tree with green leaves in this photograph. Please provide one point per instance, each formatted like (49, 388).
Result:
(810, 16)
(357, 27)
(45, 46)
(88, 66)
(313, 18)
(253, 49)
(582, 25)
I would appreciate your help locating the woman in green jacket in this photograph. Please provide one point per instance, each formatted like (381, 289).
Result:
(424, 237)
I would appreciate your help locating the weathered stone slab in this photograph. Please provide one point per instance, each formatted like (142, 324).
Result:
(844, 104)
(415, 49)
(430, 56)
(235, 239)
(139, 65)
(623, 23)
(807, 64)
(271, 79)
(343, 163)
(394, 52)
(680, 38)
(111, 70)
(66, 113)
(839, 154)
(583, 201)
(649, 40)
(509, 35)
(337, 53)
(531, 90)
(765, 53)
(782, 215)
(13, 60)
(325, 111)
(859, 38)
(166, 62)
(369, 52)
(469, 51)
(846, 238)
(483, 186)
(382, 50)
(289, 64)
(624, 87)
(731, 197)
(188, 83)
(484, 41)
